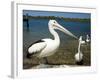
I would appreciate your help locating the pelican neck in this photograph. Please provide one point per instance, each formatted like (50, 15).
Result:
(79, 47)
(55, 34)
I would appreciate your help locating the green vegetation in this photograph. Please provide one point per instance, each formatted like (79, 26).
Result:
(56, 17)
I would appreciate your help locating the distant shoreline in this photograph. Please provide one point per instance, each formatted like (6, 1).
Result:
(56, 17)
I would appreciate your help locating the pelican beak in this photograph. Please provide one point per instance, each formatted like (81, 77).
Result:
(61, 28)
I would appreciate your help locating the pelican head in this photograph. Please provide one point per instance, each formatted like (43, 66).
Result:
(55, 25)
(81, 41)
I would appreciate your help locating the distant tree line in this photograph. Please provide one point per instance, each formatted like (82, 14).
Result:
(56, 17)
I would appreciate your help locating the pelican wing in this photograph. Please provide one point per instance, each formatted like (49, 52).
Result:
(37, 47)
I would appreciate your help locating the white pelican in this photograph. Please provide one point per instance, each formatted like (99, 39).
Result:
(87, 38)
(82, 41)
(47, 47)
(79, 55)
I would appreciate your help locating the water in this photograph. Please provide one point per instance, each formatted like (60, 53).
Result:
(38, 29)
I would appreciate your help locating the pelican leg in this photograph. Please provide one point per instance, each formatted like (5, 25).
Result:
(45, 60)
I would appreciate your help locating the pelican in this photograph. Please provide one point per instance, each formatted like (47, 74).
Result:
(82, 41)
(47, 47)
(79, 54)
(87, 38)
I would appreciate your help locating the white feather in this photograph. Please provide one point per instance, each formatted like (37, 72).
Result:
(50, 49)
(78, 57)
(37, 47)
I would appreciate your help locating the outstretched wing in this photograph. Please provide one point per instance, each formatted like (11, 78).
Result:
(37, 47)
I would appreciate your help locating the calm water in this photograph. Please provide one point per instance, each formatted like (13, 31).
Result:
(38, 29)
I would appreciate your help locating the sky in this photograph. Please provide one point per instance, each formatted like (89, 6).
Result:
(60, 14)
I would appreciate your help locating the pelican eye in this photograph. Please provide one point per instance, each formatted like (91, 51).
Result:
(54, 22)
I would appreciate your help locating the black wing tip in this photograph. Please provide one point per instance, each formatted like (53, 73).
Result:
(39, 41)
(28, 56)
